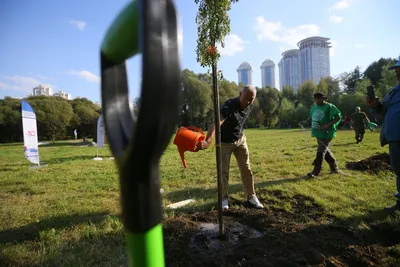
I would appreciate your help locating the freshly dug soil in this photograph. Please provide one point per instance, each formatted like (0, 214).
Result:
(373, 164)
(303, 235)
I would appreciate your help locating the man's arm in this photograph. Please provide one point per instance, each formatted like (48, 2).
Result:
(329, 124)
(335, 113)
(376, 106)
(366, 118)
(210, 135)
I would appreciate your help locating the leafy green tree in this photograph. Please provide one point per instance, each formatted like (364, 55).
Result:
(86, 114)
(53, 116)
(306, 93)
(252, 120)
(387, 81)
(260, 118)
(196, 99)
(287, 114)
(269, 99)
(227, 90)
(374, 71)
(10, 120)
(301, 113)
(350, 80)
(288, 93)
(213, 25)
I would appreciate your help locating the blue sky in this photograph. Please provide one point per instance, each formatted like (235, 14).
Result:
(57, 42)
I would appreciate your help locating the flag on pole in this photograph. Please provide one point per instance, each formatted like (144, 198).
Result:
(29, 126)
(100, 132)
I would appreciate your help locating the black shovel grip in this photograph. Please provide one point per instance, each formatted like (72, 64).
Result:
(138, 146)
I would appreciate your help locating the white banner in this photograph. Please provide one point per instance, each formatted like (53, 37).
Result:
(31, 148)
(100, 132)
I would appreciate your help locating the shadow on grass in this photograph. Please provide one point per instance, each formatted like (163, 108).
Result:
(31, 231)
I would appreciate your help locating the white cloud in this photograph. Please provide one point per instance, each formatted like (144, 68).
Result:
(360, 45)
(336, 19)
(276, 32)
(79, 24)
(233, 45)
(87, 75)
(267, 29)
(343, 4)
(18, 83)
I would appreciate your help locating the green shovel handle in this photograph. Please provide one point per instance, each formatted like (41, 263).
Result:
(121, 41)
(148, 27)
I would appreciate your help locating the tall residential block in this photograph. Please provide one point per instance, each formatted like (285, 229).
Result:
(245, 73)
(314, 60)
(289, 70)
(42, 89)
(64, 95)
(310, 62)
(268, 73)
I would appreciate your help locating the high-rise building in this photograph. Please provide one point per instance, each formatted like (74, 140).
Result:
(289, 70)
(42, 89)
(63, 95)
(268, 73)
(314, 61)
(245, 74)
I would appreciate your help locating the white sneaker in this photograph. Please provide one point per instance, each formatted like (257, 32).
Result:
(255, 202)
(225, 204)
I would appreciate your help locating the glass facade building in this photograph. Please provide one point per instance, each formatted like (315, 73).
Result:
(268, 73)
(245, 74)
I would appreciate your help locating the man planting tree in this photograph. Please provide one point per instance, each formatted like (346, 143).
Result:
(234, 114)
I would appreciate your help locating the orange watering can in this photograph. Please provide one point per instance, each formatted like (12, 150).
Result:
(186, 139)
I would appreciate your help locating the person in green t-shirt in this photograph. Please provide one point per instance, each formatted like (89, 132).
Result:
(360, 122)
(325, 117)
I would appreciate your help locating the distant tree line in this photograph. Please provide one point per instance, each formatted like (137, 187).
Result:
(57, 117)
(274, 108)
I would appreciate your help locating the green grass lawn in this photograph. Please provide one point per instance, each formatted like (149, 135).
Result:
(68, 213)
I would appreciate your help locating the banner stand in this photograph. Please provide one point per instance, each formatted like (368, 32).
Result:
(100, 136)
(38, 166)
(97, 154)
(30, 135)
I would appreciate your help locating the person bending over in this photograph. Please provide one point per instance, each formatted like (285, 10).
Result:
(234, 113)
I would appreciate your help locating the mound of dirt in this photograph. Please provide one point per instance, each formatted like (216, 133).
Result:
(301, 235)
(373, 164)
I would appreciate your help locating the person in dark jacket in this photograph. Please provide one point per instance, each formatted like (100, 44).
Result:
(389, 110)
(360, 122)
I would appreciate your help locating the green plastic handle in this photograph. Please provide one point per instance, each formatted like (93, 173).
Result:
(146, 249)
(122, 38)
